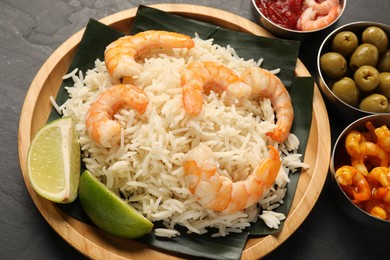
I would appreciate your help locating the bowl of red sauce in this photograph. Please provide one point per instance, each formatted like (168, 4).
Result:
(298, 19)
(360, 173)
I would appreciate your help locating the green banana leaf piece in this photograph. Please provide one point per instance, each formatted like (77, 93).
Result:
(276, 54)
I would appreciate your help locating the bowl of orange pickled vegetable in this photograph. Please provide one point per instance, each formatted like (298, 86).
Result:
(360, 171)
(298, 19)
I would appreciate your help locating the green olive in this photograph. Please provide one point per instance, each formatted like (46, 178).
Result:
(346, 90)
(384, 61)
(376, 103)
(333, 65)
(345, 43)
(376, 36)
(366, 78)
(364, 54)
(384, 84)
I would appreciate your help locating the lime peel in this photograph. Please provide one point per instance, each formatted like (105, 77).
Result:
(110, 212)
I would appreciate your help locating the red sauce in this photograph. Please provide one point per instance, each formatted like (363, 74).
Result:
(282, 12)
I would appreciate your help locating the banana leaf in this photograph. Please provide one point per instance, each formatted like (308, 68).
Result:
(276, 54)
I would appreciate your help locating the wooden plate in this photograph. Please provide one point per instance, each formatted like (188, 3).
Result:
(97, 244)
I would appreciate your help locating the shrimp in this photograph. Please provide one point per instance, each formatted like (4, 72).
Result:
(359, 149)
(370, 135)
(371, 155)
(313, 19)
(379, 212)
(379, 178)
(323, 7)
(353, 183)
(353, 141)
(101, 126)
(370, 149)
(377, 208)
(202, 76)
(216, 192)
(383, 137)
(380, 175)
(120, 55)
(267, 85)
(382, 193)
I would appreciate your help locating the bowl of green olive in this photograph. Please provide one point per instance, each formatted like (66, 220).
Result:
(353, 66)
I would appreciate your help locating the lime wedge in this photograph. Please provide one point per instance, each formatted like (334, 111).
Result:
(53, 161)
(108, 211)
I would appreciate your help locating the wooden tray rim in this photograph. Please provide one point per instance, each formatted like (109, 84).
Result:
(101, 245)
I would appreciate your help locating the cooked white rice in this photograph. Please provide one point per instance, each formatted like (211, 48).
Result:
(146, 168)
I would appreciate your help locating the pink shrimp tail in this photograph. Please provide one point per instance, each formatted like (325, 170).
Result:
(216, 192)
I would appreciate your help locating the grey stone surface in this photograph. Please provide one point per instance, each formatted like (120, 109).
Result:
(31, 30)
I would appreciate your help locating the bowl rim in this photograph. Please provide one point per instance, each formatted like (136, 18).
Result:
(332, 169)
(320, 50)
(343, 2)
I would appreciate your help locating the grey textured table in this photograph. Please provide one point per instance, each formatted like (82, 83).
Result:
(31, 30)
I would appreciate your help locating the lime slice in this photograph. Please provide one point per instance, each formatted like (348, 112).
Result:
(108, 211)
(53, 161)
